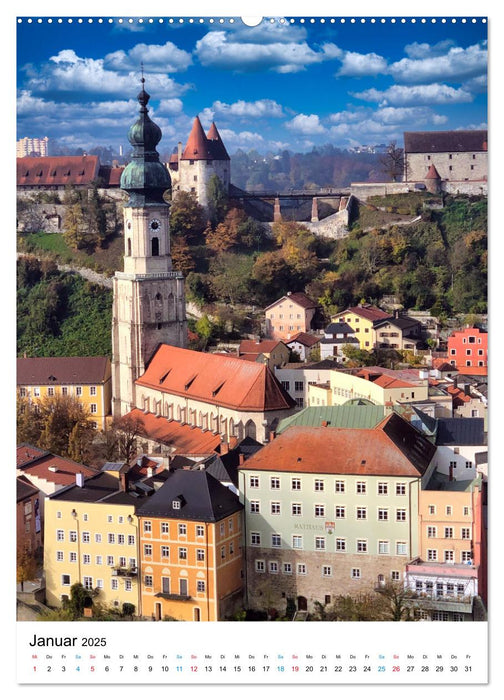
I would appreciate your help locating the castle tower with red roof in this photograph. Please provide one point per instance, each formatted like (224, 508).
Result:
(204, 155)
(149, 298)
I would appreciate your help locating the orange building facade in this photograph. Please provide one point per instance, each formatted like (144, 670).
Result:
(468, 351)
(191, 564)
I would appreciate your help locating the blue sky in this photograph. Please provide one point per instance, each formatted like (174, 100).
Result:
(282, 84)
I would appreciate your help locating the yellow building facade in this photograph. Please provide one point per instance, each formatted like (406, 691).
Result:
(88, 379)
(94, 543)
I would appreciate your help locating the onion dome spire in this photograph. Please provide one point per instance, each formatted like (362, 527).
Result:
(145, 178)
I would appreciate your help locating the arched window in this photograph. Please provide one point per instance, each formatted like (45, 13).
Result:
(250, 429)
(155, 246)
(129, 246)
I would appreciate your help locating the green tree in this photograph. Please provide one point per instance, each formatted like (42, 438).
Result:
(96, 219)
(218, 200)
(187, 217)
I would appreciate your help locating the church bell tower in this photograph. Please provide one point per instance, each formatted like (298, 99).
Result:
(149, 299)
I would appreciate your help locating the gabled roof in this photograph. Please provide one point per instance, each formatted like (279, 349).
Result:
(215, 379)
(42, 371)
(183, 439)
(393, 448)
(258, 346)
(57, 170)
(370, 313)
(445, 141)
(299, 298)
(60, 471)
(303, 339)
(200, 495)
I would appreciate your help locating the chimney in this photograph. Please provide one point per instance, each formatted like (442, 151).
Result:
(79, 479)
(150, 471)
(241, 458)
(272, 435)
(123, 484)
(324, 424)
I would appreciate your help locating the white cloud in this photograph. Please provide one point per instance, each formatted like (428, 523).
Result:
(456, 65)
(68, 73)
(416, 50)
(434, 94)
(242, 138)
(257, 109)
(221, 50)
(166, 58)
(356, 65)
(170, 106)
(306, 124)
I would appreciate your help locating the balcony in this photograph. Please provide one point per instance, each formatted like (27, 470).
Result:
(172, 596)
(128, 572)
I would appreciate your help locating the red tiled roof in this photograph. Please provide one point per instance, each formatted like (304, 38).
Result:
(215, 379)
(41, 371)
(57, 170)
(197, 146)
(304, 339)
(27, 453)
(109, 176)
(358, 451)
(57, 470)
(392, 383)
(298, 298)
(182, 438)
(254, 346)
(371, 313)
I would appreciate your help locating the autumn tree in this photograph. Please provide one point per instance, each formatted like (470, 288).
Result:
(74, 226)
(26, 565)
(182, 259)
(56, 423)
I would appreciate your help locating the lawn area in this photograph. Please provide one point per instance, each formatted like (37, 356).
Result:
(105, 260)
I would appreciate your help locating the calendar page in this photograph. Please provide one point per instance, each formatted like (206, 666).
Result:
(252, 348)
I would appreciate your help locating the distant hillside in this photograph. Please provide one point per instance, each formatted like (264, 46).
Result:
(322, 167)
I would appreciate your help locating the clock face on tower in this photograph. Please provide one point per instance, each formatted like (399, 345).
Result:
(155, 225)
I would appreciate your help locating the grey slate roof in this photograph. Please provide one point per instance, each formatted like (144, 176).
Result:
(460, 431)
(334, 328)
(202, 498)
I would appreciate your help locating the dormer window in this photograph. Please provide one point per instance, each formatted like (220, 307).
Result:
(176, 504)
